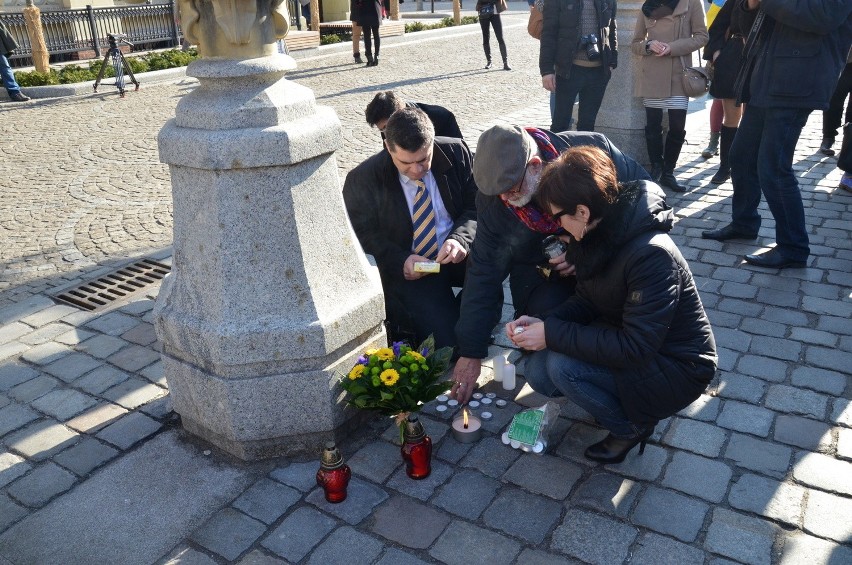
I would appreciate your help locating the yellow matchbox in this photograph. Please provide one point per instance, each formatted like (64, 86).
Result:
(427, 267)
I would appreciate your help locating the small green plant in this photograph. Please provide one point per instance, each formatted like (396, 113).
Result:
(330, 38)
(35, 78)
(415, 26)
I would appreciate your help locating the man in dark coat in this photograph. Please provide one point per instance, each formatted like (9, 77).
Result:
(410, 205)
(579, 51)
(7, 46)
(793, 56)
(510, 229)
(386, 103)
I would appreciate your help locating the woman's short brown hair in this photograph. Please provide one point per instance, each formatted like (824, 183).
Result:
(582, 175)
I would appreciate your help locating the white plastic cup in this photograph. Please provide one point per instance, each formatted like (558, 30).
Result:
(509, 377)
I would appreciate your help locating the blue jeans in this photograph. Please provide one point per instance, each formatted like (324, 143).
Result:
(762, 161)
(591, 387)
(8, 76)
(590, 84)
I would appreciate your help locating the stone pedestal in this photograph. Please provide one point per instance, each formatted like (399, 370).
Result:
(270, 295)
(622, 116)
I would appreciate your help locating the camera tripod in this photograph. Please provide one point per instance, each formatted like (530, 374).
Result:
(116, 59)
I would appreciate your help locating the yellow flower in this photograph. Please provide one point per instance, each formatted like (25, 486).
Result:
(356, 372)
(385, 354)
(370, 351)
(417, 356)
(389, 377)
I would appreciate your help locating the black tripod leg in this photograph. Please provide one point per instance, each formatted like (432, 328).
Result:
(101, 72)
(129, 70)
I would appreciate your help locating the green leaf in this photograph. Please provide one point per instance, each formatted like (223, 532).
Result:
(386, 395)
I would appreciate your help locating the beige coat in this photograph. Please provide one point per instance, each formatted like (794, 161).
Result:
(685, 31)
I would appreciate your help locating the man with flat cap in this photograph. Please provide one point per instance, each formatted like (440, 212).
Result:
(510, 230)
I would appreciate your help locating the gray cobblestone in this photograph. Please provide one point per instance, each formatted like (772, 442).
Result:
(722, 319)
(376, 461)
(46, 353)
(833, 359)
(491, 457)
(47, 315)
(670, 513)
(787, 399)
(229, 533)
(96, 418)
(393, 556)
(578, 438)
(467, 494)
(453, 451)
(823, 472)
(12, 349)
(785, 316)
(422, 489)
(11, 332)
(773, 499)
(14, 416)
(802, 548)
(653, 549)
(844, 443)
(101, 346)
(267, 500)
(841, 412)
(464, 543)
(128, 430)
(113, 323)
(705, 408)
(10, 512)
(732, 339)
(777, 297)
(763, 368)
(745, 418)
(802, 432)
(685, 467)
(75, 336)
(133, 358)
(392, 520)
(43, 334)
(727, 359)
(154, 373)
(762, 327)
(829, 516)
(133, 393)
(300, 476)
(606, 493)
(11, 467)
(101, 379)
(185, 555)
(593, 538)
(537, 557)
(758, 455)
(698, 437)
(41, 484)
(356, 546)
(834, 324)
(41, 440)
(740, 307)
(814, 337)
(143, 334)
(13, 374)
(523, 515)
(33, 388)
(528, 469)
(741, 387)
(64, 403)
(72, 366)
(85, 456)
(741, 537)
(645, 467)
(831, 382)
(361, 498)
(299, 533)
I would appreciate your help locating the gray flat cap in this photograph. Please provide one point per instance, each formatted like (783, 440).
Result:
(502, 153)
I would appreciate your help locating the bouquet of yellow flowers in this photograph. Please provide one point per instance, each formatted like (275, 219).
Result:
(397, 380)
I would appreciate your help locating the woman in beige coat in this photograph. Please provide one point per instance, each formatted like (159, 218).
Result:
(667, 33)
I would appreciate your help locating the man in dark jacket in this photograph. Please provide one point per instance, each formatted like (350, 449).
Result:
(413, 205)
(791, 61)
(7, 46)
(579, 50)
(386, 103)
(510, 229)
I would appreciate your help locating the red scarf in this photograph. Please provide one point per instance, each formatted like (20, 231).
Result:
(529, 214)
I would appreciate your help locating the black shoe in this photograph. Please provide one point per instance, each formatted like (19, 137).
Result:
(357, 57)
(825, 147)
(506, 66)
(668, 180)
(727, 232)
(19, 97)
(722, 175)
(488, 65)
(773, 259)
(656, 171)
(376, 61)
(614, 450)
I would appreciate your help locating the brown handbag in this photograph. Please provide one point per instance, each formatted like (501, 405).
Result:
(696, 80)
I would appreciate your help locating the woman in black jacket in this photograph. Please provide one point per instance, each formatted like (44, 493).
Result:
(368, 14)
(489, 15)
(633, 345)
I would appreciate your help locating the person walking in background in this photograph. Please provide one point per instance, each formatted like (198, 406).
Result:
(725, 50)
(665, 32)
(716, 110)
(368, 14)
(577, 57)
(7, 46)
(831, 117)
(793, 55)
(489, 17)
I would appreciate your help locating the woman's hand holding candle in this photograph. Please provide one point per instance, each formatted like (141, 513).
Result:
(532, 336)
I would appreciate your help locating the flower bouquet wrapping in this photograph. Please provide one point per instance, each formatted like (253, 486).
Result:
(397, 380)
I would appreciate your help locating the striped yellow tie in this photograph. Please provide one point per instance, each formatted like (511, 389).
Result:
(425, 240)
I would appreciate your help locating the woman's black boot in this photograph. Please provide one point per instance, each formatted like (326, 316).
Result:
(488, 64)
(506, 66)
(654, 142)
(376, 61)
(674, 143)
(614, 450)
(724, 172)
(369, 60)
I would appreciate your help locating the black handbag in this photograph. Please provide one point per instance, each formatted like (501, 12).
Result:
(486, 12)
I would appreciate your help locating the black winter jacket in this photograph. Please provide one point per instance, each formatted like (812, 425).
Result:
(636, 309)
(504, 246)
(560, 35)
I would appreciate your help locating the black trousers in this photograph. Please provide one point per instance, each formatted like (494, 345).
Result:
(590, 83)
(371, 29)
(493, 21)
(831, 117)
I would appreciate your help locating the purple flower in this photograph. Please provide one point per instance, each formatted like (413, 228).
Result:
(362, 360)
(425, 352)
(396, 346)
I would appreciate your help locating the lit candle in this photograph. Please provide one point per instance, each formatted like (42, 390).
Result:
(467, 428)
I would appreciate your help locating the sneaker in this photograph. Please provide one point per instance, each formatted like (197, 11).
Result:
(846, 182)
(825, 146)
(19, 97)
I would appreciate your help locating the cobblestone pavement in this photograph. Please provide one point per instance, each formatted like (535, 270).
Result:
(94, 466)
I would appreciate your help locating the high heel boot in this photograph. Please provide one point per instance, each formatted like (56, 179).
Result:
(369, 60)
(488, 64)
(654, 142)
(724, 172)
(614, 450)
(674, 143)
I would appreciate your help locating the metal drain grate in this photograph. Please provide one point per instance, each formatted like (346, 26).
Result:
(120, 284)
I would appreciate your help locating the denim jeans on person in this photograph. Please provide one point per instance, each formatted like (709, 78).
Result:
(762, 161)
(590, 84)
(591, 387)
(8, 76)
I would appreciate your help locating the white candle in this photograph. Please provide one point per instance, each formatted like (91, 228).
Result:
(468, 434)
(500, 403)
(486, 401)
(473, 404)
(442, 398)
(477, 395)
(491, 395)
(452, 402)
(486, 415)
(499, 363)
(505, 438)
(509, 377)
(441, 408)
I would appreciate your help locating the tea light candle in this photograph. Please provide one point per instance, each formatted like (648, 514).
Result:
(477, 395)
(452, 402)
(442, 398)
(500, 403)
(440, 408)
(505, 438)
(474, 404)
(491, 395)
(467, 428)
(486, 415)
(486, 401)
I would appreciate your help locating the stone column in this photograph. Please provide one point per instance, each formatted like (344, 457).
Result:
(270, 295)
(622, 116)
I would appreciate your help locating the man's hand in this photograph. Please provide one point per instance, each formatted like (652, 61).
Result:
(549, 82)
(451, 252)
(527, 333)
(465, 375)
(408, 267)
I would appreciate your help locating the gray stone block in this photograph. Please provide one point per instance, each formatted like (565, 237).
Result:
(133, 393)
(139, 306)
(134, 358)
(33, 388)
(300, 476)
(154, 373)
(734, 339)
(772, 370)
(74, 336)
(685, 467)
(698, 437)
(761, 456)
(185, 555)
(12, 467)
(788, 399)
(670, 513)
(740, 537)
(538, 557)
(13, 331)
(160, 408)
(41, 440)
(705, 408)
(257, 557)
(48, 315)
(523, 515)
(828, 358)
(72, 366)
(392, 520)
(143, 334)
(453, 451)
(13, 374)
(841, 412)
(467, 494)
(102, 346)
(491, 457)
(831, 382)
(434, 429)
(44, 334)
(463, 543)
(14, 416)
(803, 432)
(228, 533)
(46, 353)
(357, 547)
(528, 470)
(113, 323)
(776, 348)
(823, 472)
(393, 556)
(829, 516)
(41, 484)
(376, 461)
(773, 499)
(762, 327)
(606, 493)
(814, 337)
(802, 548)
(844, 443)
(64, 403)
(10, 512)
(653, 549)
(422, 489)
(129, 430)
(593, 538)
(361, 498)
(85, 456)
(299, 533)
(101, 379)
(267, 500)
(645, 467)
(96, 418)
(12, 350)
(745, 418)
(741, 387)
